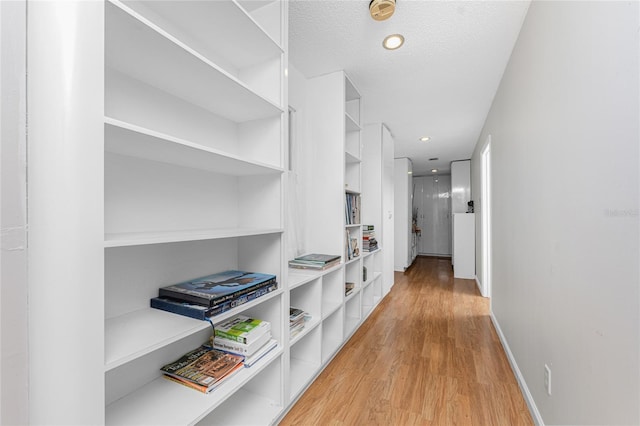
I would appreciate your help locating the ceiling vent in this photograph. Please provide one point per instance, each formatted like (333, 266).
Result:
(382, 9)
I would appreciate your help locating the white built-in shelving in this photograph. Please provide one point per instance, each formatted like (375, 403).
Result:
(167, 149)
(337, 172)
(193, 155)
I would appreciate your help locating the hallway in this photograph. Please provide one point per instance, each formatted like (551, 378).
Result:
(428, 355)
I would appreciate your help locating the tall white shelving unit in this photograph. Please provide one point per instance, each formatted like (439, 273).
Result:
(157, 144)
(378, 200)
(188, 101)
(335, 108)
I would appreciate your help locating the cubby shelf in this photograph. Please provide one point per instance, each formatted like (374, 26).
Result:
(376, 275)
(309, 326)
(135, 141)
(351, 158)
(173, 67)
(301, 374)
(351, 125)
(144, 238)
(162, 402)
(203, 21)
(138, 333)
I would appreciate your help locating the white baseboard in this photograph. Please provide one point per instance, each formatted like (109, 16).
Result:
(479, 286)
(533, 409)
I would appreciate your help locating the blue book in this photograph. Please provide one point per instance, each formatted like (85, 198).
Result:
(217, 288)
(204, 312)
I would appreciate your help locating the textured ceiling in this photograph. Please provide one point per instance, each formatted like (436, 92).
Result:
(439, 84)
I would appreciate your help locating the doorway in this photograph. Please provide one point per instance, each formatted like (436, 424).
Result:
(432, 206)
(486, 219)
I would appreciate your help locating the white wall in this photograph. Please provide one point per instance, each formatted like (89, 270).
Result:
(564, 129)
(13, 216)
(300, 153)
(402, 213)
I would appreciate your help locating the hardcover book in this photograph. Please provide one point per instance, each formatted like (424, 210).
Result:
(203, 368)
(240, 348)
(242, 329)
(217, 288)
(317, 258)
(200, 312)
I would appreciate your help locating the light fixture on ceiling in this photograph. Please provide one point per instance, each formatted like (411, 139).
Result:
(382, 9)
(424, 138)
(434, 170)
(393, 41)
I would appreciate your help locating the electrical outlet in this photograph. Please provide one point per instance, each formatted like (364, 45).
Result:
(547, 379)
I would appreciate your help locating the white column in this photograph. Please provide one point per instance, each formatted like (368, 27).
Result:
(65, 211)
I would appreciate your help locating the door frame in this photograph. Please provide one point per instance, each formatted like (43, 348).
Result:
(486, 218)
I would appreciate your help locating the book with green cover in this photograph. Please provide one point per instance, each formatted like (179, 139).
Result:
(242, 329)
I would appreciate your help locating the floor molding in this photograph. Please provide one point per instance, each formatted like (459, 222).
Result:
(479, 286)
(533, 409)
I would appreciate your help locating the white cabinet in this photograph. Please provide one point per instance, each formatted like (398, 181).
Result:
(183, 177)
(403, 187)
(464, 254)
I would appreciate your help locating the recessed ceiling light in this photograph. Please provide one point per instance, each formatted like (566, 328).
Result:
(409, 173)
(424, 138)
(393, 41)
(434, 170)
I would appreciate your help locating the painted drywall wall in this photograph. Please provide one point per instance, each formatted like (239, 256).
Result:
(402, 186)
(564, 145)
(13, 216)
(299, 157)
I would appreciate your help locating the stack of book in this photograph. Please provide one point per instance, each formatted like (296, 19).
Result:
(212, 295)
(203, 369)
(297, 319)
(315, 261)
(348, 288)
(369, 242)
(241, 335)
(352, 209)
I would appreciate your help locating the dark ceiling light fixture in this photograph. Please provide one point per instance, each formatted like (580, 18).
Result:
(433, 159)
(382, 9)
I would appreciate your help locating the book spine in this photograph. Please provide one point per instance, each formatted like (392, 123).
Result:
(247, 337)
(206, 314)
(203, 301)
(241, 300)
(178, 308)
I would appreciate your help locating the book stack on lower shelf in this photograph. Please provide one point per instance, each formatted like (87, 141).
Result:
(348, 288)
(244, 336)
(315, 261)
(212, 295)
(203, 369)
(369, 242)
(297, 320)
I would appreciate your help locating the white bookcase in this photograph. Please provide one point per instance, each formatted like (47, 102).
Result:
(157, 150)
(188, 100)
(336, 144)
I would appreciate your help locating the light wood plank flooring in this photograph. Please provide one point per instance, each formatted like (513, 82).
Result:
(428, 355)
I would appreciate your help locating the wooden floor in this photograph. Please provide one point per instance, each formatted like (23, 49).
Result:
(428, 355)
